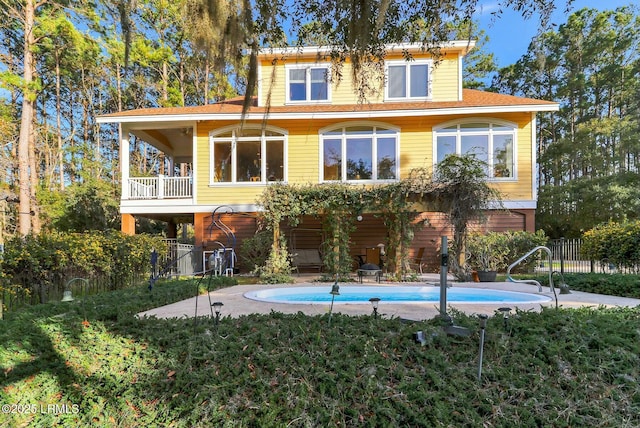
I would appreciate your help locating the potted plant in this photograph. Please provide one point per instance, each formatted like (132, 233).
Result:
(486, 254)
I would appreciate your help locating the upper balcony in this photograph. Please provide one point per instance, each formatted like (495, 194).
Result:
(160, 187)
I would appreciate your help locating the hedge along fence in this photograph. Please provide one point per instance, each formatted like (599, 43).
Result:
(36, 268)
(614, 243)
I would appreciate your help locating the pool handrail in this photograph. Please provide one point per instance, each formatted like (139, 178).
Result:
(533, 281)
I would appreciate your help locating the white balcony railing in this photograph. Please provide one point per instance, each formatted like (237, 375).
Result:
(160, 187)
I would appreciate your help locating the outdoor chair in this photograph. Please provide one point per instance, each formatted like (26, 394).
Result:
(418, 262)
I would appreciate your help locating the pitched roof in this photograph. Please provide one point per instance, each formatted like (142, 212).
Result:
(473, 101)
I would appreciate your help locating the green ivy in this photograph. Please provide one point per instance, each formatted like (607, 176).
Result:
(458, 188)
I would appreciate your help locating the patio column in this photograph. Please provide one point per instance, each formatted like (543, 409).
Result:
(128, 224)
(124, 162)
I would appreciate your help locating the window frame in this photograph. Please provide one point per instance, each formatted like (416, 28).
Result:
(330, 133)
(308, 83)
(407, 65)
(490, 132)
(214, 137)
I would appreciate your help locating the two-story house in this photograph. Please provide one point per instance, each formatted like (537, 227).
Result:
(305, 128)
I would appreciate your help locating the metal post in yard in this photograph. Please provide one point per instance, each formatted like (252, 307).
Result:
(444, 263)
(561, 256)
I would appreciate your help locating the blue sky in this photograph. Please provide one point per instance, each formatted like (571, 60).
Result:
(511, 34)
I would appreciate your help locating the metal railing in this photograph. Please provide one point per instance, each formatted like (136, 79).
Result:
(567, 258)
(160, 187)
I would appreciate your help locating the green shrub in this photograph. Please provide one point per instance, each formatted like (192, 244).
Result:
(255, 251)
(40, 265)
(616, 243)
(497, 250)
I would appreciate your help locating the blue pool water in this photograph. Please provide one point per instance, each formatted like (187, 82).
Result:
(396, 294)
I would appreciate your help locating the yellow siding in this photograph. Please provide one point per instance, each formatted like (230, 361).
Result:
(416, 150)
(445, 78)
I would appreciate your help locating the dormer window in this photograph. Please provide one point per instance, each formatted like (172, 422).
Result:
(408, 80)
(307, 83)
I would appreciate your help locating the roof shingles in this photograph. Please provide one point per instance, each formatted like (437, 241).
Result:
(471, 98)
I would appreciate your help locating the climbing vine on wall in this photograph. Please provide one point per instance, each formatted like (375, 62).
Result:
(457, 187)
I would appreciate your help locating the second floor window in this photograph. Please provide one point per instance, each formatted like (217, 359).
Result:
(408, 80)
(359, 153)
(307, 84)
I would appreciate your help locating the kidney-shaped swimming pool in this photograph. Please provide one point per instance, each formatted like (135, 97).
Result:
(398, 294)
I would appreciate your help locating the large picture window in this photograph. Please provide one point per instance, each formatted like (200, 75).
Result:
(408, 80)
(491, 142)
(308, 83)
(250, 155)
(359, 153)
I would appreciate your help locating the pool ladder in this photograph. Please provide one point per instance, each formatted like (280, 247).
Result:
(533, 281)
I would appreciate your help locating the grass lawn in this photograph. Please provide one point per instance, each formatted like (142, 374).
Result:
(93, 363)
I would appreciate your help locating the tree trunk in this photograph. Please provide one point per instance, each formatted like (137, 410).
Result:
(26, 122)
(35, 209)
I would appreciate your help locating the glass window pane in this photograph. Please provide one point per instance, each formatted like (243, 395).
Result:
(477, 145)
(297, 84)
(397, 82)
(248, 161)
(248, 132)
(275, 160)
(446, 145)
(419, 80)
(474, 127)
(359, 130)
(319, 84)
(386, 158)
(380, 131)
(359, 162)
(332, 159)
(222, 162)
(503, 156)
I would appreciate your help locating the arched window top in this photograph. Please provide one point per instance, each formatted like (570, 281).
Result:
(359, 127)
(247, 131)
(476, 125)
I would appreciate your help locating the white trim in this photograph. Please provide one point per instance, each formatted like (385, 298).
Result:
(465, 45)
(460, 77)
(348, 124)
(259, 83)
(194, 167)
(353, 114)
(125, 167)
(151, 206)
(520, 205)
(534, 158)
(131, 207)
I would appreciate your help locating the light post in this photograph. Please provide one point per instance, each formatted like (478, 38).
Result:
(482, 318)
(335, 291)
(374, 302)
(217, 307)
(67, 294)
(505, 316)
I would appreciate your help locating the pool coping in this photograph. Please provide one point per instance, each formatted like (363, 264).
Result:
(237, 305)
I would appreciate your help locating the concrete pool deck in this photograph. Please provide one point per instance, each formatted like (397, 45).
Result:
(236, 304)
